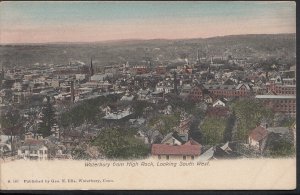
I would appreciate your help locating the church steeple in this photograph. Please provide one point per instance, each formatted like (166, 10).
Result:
(198, 57)
(91, 68)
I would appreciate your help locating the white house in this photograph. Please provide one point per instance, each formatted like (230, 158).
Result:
(218, 103)
(33, 151)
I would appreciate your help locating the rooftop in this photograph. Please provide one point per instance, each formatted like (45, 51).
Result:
(275, 96)
(258, 133)
(163, 149)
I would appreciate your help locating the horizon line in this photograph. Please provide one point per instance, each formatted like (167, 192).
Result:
(134, 39)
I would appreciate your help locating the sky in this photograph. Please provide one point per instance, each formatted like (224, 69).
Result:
(40, 22)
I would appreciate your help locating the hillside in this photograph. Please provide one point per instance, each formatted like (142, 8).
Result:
(281, 47)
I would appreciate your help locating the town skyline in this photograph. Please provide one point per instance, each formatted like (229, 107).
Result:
(44, 22)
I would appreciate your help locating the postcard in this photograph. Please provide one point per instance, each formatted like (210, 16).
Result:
(185, 95)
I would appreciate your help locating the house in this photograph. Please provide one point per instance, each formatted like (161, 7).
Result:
(149, 136)
(127, 97)
(185, 91)
(257, 138)
(188, 151)
(219, 152)
(143, 94)
(137, 122)
(172, 139)
(208, 98)
(196, 93)
(219, 103)
(120, 114)
(165, 87)
(33, 150)
(167, 110)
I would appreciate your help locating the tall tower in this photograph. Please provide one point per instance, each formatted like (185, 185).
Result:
(91, 68)
(198, 57)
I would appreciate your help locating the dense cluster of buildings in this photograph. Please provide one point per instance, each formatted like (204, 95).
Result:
(204, 82)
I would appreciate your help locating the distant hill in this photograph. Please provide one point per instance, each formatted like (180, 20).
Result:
(281, 46)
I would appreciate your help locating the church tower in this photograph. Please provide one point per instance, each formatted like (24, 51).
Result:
(198, 57)
(91, 68)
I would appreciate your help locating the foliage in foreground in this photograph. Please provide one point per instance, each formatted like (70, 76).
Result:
(121, 144)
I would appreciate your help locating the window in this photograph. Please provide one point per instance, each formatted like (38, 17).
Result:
(159, 157)
(192, 157)
(35, 151)
(167, 157)
(184, 157)
(23, 151)
(41, 151)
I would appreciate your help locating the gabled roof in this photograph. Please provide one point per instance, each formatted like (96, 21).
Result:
(207, 155)
(172, 135)
(192, 142)
(259, 133)
(226, 147)
(163, 149)
(218, 100)
(240, 85)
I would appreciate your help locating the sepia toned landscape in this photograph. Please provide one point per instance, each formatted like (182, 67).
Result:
(129, 95)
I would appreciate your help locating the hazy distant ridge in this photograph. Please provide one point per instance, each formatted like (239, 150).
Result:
(135, 51)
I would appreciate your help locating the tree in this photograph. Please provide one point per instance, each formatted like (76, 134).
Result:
(281, 148)
(195, 132)
(248, 114)
(48, 119)
(118, 143)
(213, 130)
(229, 127)
(11, 122)
(165, 123)
(149, 133)
(87, 110)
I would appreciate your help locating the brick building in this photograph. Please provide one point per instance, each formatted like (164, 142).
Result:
(285, 104)
(196, 93)
(161, 70)
(140, 69)
(242, 90)
(281, 89)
